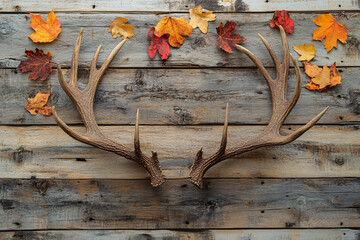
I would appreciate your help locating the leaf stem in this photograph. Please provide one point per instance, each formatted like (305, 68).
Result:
(340, 15)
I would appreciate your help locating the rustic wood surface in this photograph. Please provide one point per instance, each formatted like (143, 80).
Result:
(178, 204)
(182, 6)
(197, 51)
(180, 96)
(46, 152)
(288, 234)
(53, 187)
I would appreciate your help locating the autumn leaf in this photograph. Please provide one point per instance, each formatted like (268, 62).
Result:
(118, 26)
(38, 64)
(329, 29)
(37, 104)
(226, 39)
(321, 77)
(282, 18)
(44, 32)
(306, 52)
(200, 19)
(176, 28)
(158, 44)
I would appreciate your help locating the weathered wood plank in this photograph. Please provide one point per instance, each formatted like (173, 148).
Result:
(180, 96)
(198, 50)
(280, 234)
(183, 6)
(133, 204)
(47, 152)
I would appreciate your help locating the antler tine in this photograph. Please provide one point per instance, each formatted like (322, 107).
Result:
(84, 99)
(136, 135)
(257, 62)
(281, 108)
(224, 135)
(271, 51)
(75, 60)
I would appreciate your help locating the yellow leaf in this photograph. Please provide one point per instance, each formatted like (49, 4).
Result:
(321, 77)
(329, 29)
(306, 52)
(176, 28)
(44, 32)
(118, 26)
(200, 19)
(37, 104)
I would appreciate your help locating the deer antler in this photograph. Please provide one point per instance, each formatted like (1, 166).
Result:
(84, 101)
(281, 108)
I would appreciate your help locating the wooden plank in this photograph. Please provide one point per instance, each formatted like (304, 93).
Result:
(198, 50)
(47, 152)
(291, 234)
(183, 6)
(180, 96)
(134, 204)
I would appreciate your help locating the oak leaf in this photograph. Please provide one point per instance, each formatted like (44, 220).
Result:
(200, 19)
(44, 32)
(282, 18)
(321, 77)
(118, 26)
(306, 52)
(176, 28)
(158, 44)
(226, 39)
(329, 29)
(38, 64)
(37, 104)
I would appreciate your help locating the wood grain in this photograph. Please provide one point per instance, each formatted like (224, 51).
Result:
(47, 152)
(183, 6)
(179, 97)
(198, 50)
(115, 204)
(281, 234)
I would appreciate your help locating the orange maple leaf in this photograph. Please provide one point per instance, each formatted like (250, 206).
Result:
(37, 104)
(176, 28)
(44, 32)
(321, 77)
(329, 29)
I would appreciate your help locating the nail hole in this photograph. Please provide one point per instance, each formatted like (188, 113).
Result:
(186, 6)
(341, 118)
(340, 70)
(341, 223)
(262, 211)
(184, 186)
(274, 157)
(287, 195)
(342, 61)
(81, 159)
(94, 6)
(186, 222)
(289, 128)
(339, 5)
(262, 183)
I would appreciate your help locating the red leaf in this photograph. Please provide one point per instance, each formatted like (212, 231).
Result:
(38, 64)
(158, 43)
(282, 18)
(226, 39)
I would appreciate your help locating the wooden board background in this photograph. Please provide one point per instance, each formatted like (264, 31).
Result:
(53, 187)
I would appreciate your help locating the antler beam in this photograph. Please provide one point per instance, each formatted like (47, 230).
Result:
(281, 107)
(84, 101)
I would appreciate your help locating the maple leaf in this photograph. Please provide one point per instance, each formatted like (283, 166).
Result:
(38, 64)
(37, 104)
(158, 43)
(226, 39)
(176, 28)
(306, 52)
(329, 29)
(282, 18)
(321, 77)
(118, 26)
(44, 32)
(200, 19)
